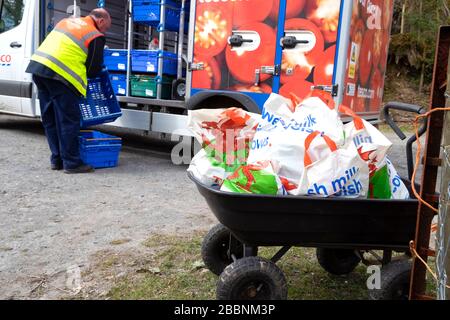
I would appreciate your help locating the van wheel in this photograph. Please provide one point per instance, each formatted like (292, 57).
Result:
(179, 89)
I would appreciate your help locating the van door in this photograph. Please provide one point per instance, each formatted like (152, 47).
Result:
(236, 47)
(12, 52)
(264, 46)
(310, 42)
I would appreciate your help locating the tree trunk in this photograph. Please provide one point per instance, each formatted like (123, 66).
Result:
(402, 28)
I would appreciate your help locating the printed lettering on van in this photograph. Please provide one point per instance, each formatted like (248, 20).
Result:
(5, 60)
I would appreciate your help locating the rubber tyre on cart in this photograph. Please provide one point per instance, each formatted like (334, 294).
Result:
(337, 261)
(216, 251)
(395, 281)
(252, 278)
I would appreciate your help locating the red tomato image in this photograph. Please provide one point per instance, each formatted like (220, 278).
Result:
(212, 28)
(251, 11)
(208, 78)
(293, 9)
(301, 88)
(323, 73)
(262, 88)
(242, 64)
(358, 104)
(366, 58)
(355, 14)
(377, 46)
(325, 14)
(377, 84)
(301, 62)
(384, 50)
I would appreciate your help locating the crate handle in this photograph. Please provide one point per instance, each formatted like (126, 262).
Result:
(103, 139)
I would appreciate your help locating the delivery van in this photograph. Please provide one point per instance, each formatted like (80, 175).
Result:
(227, 53)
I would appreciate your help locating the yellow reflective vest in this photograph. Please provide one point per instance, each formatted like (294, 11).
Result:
(65, 50)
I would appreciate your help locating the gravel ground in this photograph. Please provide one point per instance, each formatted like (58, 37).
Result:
(51, 222)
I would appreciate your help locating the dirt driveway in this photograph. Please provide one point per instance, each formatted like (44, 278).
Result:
(52, 224)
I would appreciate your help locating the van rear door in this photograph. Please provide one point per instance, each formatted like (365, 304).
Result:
(13, 30)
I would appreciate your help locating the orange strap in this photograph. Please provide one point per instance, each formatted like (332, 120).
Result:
(359, 124)
(331, 144)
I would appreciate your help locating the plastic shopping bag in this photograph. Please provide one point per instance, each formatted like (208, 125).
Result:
(280, 137)
(398, 188)
(385, 183)
(342, 173)
(225, 135)
(258, 178)
(372, 145)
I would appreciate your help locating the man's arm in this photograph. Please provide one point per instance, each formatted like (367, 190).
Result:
(94, 62)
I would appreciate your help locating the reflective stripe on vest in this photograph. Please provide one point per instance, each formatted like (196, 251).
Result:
(65, 50)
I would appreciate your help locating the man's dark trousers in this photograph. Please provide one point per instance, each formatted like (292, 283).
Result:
(60, 115)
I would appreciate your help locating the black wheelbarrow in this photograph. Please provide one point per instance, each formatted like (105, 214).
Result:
(341, 230)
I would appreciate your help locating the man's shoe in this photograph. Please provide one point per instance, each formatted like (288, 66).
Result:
(56, 166)
(81, 169)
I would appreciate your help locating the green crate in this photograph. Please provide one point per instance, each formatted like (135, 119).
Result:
(145, 86)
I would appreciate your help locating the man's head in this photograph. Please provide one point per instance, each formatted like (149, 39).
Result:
(102, 19)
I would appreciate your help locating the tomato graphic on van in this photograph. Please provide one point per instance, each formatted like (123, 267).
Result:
(212, 28)
(242, 64)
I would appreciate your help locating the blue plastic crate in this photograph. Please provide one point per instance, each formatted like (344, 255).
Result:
(99, 150)
(149, 12)
(116, 60)
(119, 84)
(147, 61)
(100, 105)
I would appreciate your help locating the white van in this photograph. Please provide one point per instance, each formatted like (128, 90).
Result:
(235, 53)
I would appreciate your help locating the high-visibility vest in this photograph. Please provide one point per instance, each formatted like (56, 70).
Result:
(65, 50)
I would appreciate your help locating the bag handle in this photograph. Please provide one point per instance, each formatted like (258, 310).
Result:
(331, 144)
(359, 124)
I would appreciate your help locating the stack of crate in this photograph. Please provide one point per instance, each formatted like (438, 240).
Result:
(145, 63)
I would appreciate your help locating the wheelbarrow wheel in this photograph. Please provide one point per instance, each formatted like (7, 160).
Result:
(337, 261)
(252, 278)
(216, 251)
(395, 281)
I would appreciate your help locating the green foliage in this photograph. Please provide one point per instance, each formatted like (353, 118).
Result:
(415, 48)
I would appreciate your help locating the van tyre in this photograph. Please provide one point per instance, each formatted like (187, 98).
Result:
(252, 278)
(216, 251)
(395, 282)
(337, 261)
(179, 89)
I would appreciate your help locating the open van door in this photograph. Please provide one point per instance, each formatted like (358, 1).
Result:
(13, 43)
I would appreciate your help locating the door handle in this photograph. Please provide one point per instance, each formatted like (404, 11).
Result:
(236, 40)
(290, 42)
(15, 45)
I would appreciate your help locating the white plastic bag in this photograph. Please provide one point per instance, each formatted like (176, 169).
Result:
(342, 173)
(372, 145)
(398, 189)
(280, 137)
(258, 178)
(206, 170)
(225, 135)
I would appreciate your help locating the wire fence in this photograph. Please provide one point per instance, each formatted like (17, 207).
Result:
(443, 232)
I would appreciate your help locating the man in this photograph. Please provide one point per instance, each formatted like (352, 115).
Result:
(70, 54)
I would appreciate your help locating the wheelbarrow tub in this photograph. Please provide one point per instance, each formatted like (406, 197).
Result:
(261, 220)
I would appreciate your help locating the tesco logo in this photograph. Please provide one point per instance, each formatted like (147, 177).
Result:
(6, 58)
